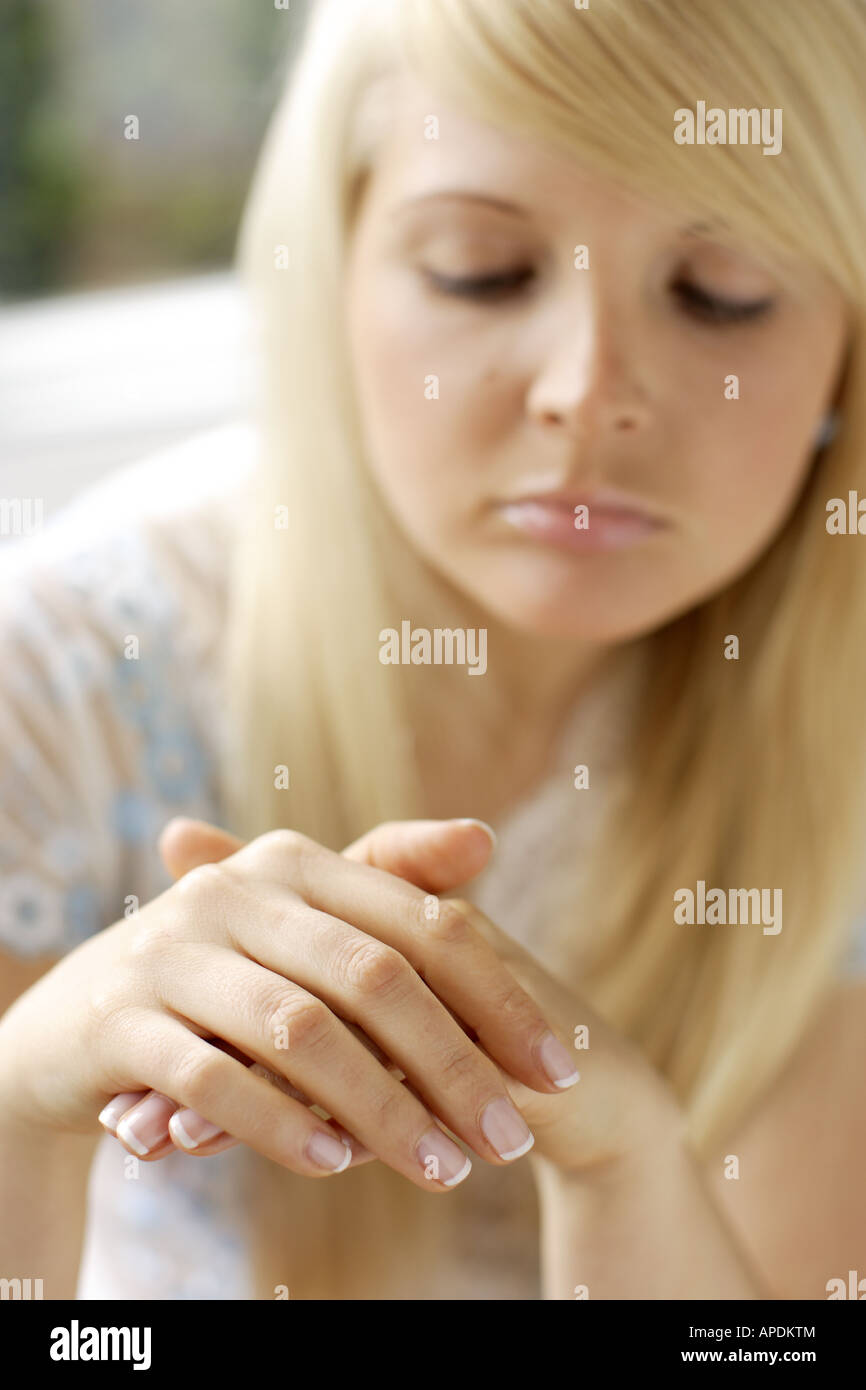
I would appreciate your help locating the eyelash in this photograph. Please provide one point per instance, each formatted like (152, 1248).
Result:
(481, 287)
(491, 289)
(714, 309)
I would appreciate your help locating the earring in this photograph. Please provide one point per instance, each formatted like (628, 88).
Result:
(827, 430)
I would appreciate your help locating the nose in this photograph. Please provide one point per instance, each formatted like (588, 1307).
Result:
(590, 383)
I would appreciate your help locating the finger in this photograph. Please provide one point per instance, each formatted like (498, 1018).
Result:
(294, 1032)
(185, 843)
(183, 1123)
(146, 1117)
(437, 939)
(177, 1062)
(438, 856)
(360, 1154)
(118, 1106)
(298, 953)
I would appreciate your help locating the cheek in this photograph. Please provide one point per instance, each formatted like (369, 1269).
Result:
(403, 423)
(390, 369)
(746, 459)
(430, 397)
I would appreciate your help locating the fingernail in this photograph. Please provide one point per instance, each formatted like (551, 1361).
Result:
(190, 1129)
(441, 1159)
(145, 1125)
(116, 1107)
(470, 820)
(556, 1062)
(359, 1150)
(327, 1151)
(506, 1129)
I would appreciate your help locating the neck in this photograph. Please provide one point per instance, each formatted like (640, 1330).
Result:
(538, 680)
(530, 682)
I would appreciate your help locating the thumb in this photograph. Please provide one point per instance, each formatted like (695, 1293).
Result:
(186, 843)
(436, 855)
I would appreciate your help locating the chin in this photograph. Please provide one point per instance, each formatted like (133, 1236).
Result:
(579, 621)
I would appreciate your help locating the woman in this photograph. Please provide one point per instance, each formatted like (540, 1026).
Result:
(547, 384)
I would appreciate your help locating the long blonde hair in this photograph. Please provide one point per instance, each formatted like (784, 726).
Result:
(746, 772)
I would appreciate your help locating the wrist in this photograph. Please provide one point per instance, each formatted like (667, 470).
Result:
(41, 1144)
(21, 1122)
(660, 1142)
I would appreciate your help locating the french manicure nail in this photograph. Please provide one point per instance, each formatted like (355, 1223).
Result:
(449, 1164)
(327, 1151)
(556, 1062)
(190, 1129)
(144, 1127)
(506, 1129)
(111, 1113)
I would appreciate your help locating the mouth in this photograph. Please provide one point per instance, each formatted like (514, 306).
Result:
(584, 523)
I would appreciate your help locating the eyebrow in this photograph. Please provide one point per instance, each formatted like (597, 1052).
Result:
(465, 195)
(709, 228)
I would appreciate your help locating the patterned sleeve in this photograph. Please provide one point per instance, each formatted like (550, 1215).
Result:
(102, 738)
(58, 863)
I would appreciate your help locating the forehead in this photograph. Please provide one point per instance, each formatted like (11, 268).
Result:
(432, 145)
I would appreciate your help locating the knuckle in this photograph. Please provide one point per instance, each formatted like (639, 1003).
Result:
(516, 1004)
(450, 926)
(389, 1108)
(204, 881)
(460, 1064)
(370, 968)
(296, 1020)
(107, 1005)
(282, 851)
(199, 1076)
(285, 842)
(149, 940)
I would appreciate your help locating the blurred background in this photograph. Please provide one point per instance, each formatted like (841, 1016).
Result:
(128, 137)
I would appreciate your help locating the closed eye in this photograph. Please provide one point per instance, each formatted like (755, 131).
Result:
(482, 288)
(714, 309)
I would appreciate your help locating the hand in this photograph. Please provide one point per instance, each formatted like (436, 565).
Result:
(620, 1099)
(268, 951)
(620, 1104)
(437, 856)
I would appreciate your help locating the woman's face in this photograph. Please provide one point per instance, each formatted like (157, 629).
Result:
(492, 365)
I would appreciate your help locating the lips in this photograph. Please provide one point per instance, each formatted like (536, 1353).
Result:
(610, 523)
(601, 502)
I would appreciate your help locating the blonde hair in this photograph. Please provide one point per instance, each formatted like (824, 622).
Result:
(745, 772)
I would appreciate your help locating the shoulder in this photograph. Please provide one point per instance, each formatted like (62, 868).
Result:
(180, 497)
(135, 569)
